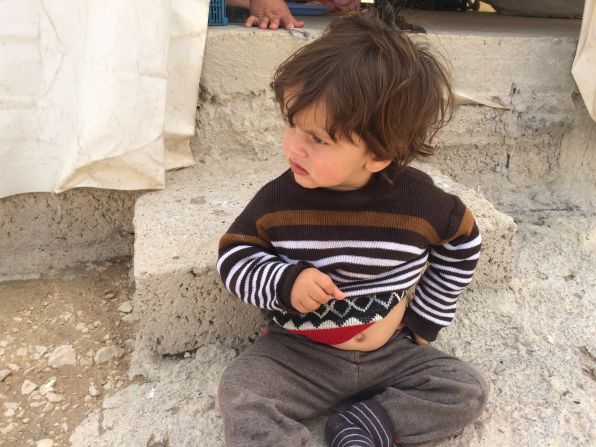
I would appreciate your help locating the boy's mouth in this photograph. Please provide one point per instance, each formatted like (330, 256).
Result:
(297, 169)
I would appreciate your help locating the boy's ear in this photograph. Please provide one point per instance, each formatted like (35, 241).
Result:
(375, 164)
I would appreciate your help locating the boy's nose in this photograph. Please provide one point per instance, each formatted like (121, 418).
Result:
(297, 148)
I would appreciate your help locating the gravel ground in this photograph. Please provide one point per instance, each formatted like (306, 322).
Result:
(65, 345)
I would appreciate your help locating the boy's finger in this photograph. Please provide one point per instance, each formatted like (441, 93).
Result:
(311, 303)
(329, 287)
(319, 296)
(421, 341)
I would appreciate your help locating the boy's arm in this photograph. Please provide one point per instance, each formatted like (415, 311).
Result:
(451, 267)
(253, 273)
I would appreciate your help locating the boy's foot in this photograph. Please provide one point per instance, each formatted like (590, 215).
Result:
(365, 423)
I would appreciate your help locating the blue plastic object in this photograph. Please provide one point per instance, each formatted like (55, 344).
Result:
(307, 9)
(217, 12)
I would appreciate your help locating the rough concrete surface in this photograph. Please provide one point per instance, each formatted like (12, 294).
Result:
(533, 339)
(179, 294)
(42, 232)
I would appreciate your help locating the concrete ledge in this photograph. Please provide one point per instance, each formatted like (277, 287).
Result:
(45, 232)
(179, 296)
(519, 100)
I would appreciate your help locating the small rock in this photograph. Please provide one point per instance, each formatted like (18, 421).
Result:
(130, 318)
(48, 387)
(45, 443)
(26, 420)
(80, 326)
(96, 324)
(13, 367)
(108, 353)
(125, 307)
(109, 295)
(28, 387)
(9, 413)
(93, 392)
(8, 428)
(17, 319)
(54, 398)
(11, 405)
(22, 352)
(85, 362)
(62, 356)
(187, 355)
(4, 343)
(4, 373)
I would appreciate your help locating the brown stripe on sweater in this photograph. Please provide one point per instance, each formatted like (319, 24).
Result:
(235, 238)
(339, 218)
(465, 227)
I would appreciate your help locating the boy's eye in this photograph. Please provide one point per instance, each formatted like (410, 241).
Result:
(317, 140)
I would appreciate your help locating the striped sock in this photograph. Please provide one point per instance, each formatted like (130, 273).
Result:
(364, 424)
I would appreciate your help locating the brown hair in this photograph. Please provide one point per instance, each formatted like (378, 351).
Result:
(374, 81)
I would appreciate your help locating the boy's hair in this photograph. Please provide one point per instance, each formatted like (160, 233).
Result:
(374, 81)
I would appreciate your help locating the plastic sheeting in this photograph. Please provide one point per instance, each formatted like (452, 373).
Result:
(97, 93)
(584, 65)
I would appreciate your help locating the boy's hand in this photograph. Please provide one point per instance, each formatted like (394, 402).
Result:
(420, 341)
(417, 338)
(311, 289)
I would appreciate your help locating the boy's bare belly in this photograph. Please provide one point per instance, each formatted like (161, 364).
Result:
(376, 335)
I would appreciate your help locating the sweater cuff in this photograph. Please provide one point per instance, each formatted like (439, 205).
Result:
(286, 282)
(420, 326)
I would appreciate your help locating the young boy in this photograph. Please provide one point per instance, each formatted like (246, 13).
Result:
(330, 247)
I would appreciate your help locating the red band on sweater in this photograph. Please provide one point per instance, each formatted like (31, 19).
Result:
(333, 336)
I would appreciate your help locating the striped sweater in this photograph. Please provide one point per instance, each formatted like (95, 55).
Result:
(374, 242)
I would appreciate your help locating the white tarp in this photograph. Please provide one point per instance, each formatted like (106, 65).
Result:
(584, 65)
(97, 93)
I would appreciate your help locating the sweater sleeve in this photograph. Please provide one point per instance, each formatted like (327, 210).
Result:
(452, 263)
(250, 268)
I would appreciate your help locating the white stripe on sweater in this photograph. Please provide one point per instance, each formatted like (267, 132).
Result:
(421, 294)
(431, 312)
(448, 259)
(347, 259)
(338, 244)
(473, 243)
(383, 274)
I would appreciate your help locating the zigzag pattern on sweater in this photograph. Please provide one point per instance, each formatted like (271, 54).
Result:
(340, 314)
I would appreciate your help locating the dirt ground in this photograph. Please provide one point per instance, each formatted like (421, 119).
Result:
(46, 391)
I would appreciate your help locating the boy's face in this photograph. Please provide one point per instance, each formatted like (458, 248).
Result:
(319, 162)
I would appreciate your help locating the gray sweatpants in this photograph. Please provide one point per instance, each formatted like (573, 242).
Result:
(267, 391)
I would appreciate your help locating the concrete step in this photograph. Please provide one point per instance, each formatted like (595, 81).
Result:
(518, 101)
(179, 296)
